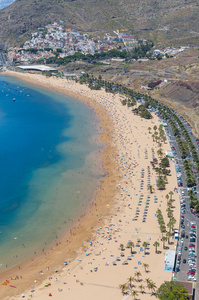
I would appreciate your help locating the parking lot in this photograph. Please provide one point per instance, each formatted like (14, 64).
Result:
(187, 245)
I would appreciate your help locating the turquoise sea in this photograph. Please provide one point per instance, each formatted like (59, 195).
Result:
(49, 166)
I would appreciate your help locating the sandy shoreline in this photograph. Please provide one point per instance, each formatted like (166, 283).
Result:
(127, 154)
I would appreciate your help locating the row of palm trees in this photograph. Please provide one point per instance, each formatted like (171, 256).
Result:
(193, 201)
(158, 136)
(186, 147)
(185, 144)
(162, 170)
(183, 147)
(161, 222)
(190, 179)
(129, 286)
(169, 210)
(131, 245)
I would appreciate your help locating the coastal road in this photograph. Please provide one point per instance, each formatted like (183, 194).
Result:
(189, 217)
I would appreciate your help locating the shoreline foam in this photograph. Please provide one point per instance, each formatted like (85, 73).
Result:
(106, 193)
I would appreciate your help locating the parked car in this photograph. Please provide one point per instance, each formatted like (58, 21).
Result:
(192, 240)
(191, 278)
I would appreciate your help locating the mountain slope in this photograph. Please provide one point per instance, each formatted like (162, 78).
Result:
(5, 3)
(164, 20)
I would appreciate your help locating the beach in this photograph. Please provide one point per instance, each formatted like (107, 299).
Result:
(80, 265)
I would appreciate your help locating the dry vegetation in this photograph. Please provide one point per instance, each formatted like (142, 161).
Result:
(180, 94)
(162, 21)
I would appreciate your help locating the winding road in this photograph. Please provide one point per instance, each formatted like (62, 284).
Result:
(178, 74)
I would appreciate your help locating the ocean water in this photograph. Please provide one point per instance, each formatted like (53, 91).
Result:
(49, 166)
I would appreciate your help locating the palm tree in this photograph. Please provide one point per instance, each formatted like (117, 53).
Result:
(123, 287)
(169, 235)
(163, 229)
(156, 245)
(152, 286)
(142, 288)
(131, 245)
(144, 245)
(170, 225)
(160, 145)
(164, 239)
(154, 127)
(145, 266)
(148, 281)
(149, 129)
(160, 183)
(167, 197)
(173, 220)
(134, 294)
(171, 194)
(159, 152)
(150, 188)
(158, 171)
(130, 279)
(165, 176)
(164, 138)
(170, 203)
(169, 213)
(121, 246)
(137, 274)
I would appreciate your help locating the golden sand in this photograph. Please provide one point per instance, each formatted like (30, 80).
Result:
(108, 222)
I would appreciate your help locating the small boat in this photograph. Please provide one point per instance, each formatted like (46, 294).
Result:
(13, 99)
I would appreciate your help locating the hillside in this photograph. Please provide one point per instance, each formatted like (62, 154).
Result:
(186, 92)
(5, 3)
(162, 20)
